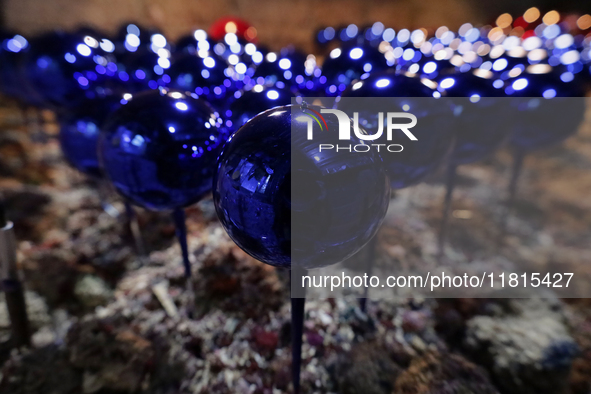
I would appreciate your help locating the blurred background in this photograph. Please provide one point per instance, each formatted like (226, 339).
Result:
(279, 22)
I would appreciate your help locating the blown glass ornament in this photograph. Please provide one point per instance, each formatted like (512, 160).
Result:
(132, 36)
(289, 205)
(548, 110)
(285, 203)
(143, 58)
(483, 119)
(399, 92)
(202, 75)
(12, 49)
(252, 102)
(348, 63)
(159, 149)
(540, 94)
(79, 132)
(287, 66)
(478, 105)
(66, 68)
(60, 67)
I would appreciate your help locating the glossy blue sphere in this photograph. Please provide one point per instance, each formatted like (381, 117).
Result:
(254, 101)
(159, 150)
(286, 66)
(397, 92)
(142, 70)
(187, 44)
(12, 82)
(548, 109)
(349, 63)
(143, 58)
(132, 36)
(482, 114)
(62, 68)
(204, 76)
(284, 202)
(80, 127)
(429, 67)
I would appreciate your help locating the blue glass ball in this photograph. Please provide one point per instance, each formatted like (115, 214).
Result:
(325, 35)
(348, 33)
(349, 63)
(186, 44)
(62, 68)
(398, 92)
(142, 70)
(429, 67)
(482, 115)
(143, 58)
(254, 101)
(80, 127)
(286, 66)
(159, 150)
(12, 82)
(284, 202)
(548, 109)
(503, 65)
(200, 75)
(132, 36)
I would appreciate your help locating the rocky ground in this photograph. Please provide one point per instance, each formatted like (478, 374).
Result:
(106, 321)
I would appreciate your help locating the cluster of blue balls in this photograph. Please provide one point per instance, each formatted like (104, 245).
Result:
(168, 123)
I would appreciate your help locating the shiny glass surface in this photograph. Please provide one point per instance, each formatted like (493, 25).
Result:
(287, 65)
(12, 83)
(66, 68)
(202, 75)
(159, 150)
(546, 114)
(285, 203)
(350, 62)
(399, 92)
(254, 101)
(80, 127)
(482, 115)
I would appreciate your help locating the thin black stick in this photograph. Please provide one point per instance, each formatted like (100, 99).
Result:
(104, 191)
(450, 184)
(136, 233)
(25, 115)
(298, 306)
(11, 285)
(181, 233)
(516, 169)
(41, 125)
(371, 256)
(17, 311)
(3, 220)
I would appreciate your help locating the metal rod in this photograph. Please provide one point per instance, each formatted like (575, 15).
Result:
(10, 283)
(516, 170)
(450, 184)
(17, 311)
(3, 220)
(104, 191)
(25, 115)
(134, 228)
(371, 257)
(181, 233)
(297, 324)
(298, 309)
